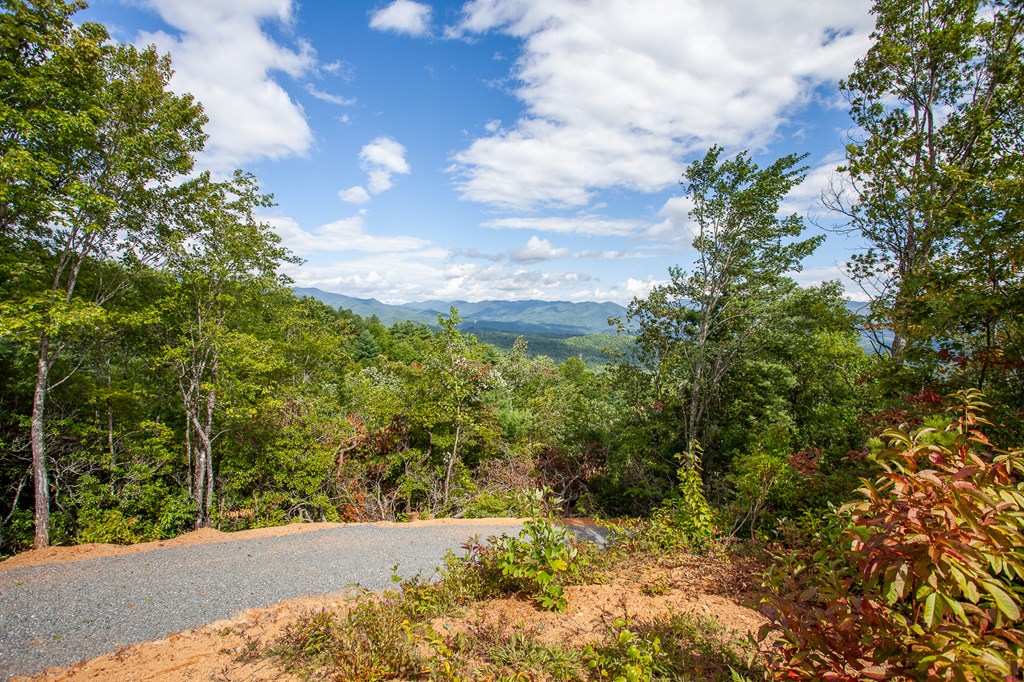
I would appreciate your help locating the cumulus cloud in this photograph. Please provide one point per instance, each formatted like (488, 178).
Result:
(251, 116)
(403, 16)
(347, 234)
(389, 277)
(811, 277)
(615, 97)
(354, 195)
(620, 292)
(474, 282)
(381, 159)
(537, 251)
(428, 274)
(805, 198)
(677, 227)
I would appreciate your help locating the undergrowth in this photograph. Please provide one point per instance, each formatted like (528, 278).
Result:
(398, 635)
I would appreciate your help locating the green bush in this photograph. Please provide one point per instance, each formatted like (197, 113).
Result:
(540, 561)
(108, 526)
(628, 657)
(373, 641)
(685, 521)
(928, 582)
(486, 504)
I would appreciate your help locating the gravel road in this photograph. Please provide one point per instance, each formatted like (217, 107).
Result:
(57, 614)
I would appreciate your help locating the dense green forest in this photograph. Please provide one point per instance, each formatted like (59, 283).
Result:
(159, 375)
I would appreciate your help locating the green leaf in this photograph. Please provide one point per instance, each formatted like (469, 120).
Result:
(1003, 601)
(996, 661)
(932, 611)
(898, 586)
(955, 606)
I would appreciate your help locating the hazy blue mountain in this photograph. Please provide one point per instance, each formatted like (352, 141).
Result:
(558, 329)
(366, 307)
(556, 317)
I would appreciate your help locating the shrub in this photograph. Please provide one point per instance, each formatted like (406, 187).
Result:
(540, 561)
(373, 641)
(683, 522)
(109, 526)
(629, 656)
(929, 581)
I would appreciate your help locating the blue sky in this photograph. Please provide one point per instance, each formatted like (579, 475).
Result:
(508, 149)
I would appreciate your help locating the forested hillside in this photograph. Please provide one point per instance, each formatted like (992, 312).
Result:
(158, 373)
(557, 329)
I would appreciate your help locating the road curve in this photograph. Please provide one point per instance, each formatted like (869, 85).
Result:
(60, 613)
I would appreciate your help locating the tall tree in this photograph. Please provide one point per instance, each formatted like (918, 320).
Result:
(223, 261)
(459, 380)
(693, 329)
(92, 140)
(938, 83)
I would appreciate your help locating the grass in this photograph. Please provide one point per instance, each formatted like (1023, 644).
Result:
(442, 631)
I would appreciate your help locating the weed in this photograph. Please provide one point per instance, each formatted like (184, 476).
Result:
(373, 641)
(628, 656)
(249, 650)
(491, 653)
(540, 561)
(658, 585)
(699, 648)
(521, 652)
(539, 558)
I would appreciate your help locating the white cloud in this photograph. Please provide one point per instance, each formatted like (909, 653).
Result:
(354, 195)
(677, 228)
(539, 250)
(403, 16)
(339, 68)
(389, 277)
(611, 255)
(805, 198)
(382, 158)
(589, 225)
(348, 234)
(328, 97)
(617, 92)
(428, 274)
(536, 251)
(474, 282)
(811, 277)
(224, 58)
(621, 292)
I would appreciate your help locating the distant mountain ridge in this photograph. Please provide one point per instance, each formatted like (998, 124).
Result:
(557, 317)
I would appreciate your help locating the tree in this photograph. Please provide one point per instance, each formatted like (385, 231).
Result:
(936, 102)
(460, 381)
(92, 140)
(692, 330)
(223, 261)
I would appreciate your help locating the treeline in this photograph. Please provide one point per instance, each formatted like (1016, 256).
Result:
(165, 412)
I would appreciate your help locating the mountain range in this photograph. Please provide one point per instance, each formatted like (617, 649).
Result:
(525, 317)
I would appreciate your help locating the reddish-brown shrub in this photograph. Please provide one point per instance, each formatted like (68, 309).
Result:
(928, 581)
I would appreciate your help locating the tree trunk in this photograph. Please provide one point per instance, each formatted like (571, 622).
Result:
(211, 399)
(450, 465)
(203, 449)
(39, 473)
